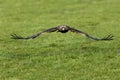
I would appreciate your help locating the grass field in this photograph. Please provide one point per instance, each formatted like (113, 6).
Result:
(56, 56)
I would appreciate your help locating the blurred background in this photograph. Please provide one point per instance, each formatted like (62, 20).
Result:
(56, 56)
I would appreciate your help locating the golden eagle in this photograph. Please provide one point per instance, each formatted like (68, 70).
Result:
(62, 29)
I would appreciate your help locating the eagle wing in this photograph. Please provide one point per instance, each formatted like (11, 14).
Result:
(109, 37)
(14, 36)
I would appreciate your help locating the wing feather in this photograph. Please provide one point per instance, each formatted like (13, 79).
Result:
(14, 36)
(109, 37)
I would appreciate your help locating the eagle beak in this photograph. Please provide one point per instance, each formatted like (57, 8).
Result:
(63, 29)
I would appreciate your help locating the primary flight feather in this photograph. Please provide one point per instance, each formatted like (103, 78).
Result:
(62, 29)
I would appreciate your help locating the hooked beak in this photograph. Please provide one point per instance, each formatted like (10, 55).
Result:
(63, 29)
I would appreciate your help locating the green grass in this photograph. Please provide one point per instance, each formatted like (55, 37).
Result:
(56, 56)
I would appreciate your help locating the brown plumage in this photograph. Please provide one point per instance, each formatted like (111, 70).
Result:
(62, 29)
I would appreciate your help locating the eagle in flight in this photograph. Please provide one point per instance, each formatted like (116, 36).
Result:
(62, 29)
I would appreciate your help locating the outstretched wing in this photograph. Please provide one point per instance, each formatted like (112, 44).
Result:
(109, 37)
(14, 36)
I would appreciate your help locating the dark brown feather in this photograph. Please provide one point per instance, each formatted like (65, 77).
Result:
(109, 37)
(62, 29)
(14, 36)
